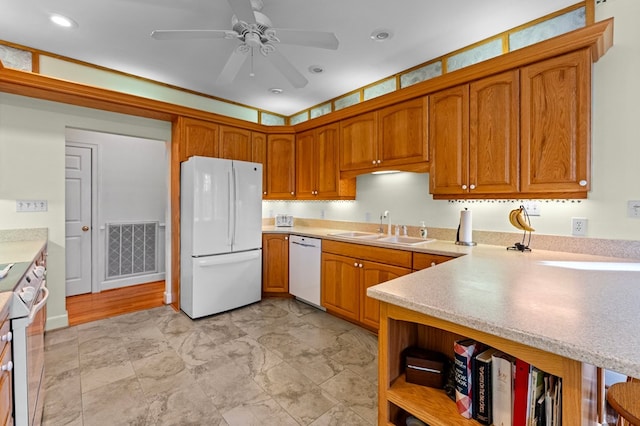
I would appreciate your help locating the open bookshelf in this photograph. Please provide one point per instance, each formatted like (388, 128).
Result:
(401, 328)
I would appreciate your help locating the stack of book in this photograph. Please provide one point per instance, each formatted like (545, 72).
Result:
(496, 388)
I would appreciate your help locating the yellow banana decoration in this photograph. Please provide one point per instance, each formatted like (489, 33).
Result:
(517, 219)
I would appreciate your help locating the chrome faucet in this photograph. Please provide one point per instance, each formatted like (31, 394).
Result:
(385, 215)
(404, 230)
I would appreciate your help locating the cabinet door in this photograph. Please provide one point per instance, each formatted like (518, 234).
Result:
(306, 165)
(556, 122)
(235, 143)
(449, 140)
(402, 133)
(327, 157)
(281, 163)
(275, 263)
(259, 155)
(196, 137)
(358, 142)
(493, 138)
(374, 273)
(340, 285)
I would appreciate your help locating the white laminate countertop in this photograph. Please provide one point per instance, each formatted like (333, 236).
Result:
(590, 315)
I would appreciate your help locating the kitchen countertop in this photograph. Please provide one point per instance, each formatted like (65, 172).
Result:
(569, 309)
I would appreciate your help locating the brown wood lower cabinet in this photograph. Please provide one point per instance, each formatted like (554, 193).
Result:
(275, 264)
(349, 269)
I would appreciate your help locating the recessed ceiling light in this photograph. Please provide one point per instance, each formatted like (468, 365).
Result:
(381, 35)
(63, 21)
(276, 90)
(316, 69)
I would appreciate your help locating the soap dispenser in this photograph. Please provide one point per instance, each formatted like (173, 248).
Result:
(423, 230)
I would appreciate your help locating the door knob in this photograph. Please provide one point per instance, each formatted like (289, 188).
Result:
(85, 228)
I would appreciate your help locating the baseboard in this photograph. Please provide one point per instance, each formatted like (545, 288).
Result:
(59, 321)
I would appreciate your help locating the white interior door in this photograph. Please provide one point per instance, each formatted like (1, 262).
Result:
(78, 220)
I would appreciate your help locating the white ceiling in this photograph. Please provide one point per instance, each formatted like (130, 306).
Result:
(116, 34)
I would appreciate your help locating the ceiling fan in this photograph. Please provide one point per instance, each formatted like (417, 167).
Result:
(254, 31)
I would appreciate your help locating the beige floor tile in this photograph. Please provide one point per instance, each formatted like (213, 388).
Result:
(358, 394)
(117, 403)
(185, 406)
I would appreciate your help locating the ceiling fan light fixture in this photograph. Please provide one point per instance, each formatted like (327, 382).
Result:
(276, 90)
(381, 35)
(63, 21)
(316, 69)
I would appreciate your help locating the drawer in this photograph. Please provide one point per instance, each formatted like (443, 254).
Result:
(426, 260)
(375, 254)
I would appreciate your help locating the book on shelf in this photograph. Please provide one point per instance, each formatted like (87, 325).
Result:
(464, 351)
(536, 390)
(521, 384)
(502, 372)
(481, 400)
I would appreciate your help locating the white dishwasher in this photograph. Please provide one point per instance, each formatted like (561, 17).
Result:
(304, 268)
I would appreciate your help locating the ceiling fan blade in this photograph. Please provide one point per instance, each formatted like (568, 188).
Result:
(283, 65)
(243, 10)
(192, 34)
(232, 67)
(321, 39)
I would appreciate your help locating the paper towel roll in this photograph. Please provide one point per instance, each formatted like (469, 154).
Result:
(465, 226)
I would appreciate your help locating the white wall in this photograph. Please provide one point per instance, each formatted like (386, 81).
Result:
(132, 186)
(615, 162)
(32, 151)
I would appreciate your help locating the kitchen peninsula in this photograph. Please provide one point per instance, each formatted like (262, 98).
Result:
(564, 312)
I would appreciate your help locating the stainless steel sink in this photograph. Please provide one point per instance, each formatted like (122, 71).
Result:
(356, 234)
(405, 240)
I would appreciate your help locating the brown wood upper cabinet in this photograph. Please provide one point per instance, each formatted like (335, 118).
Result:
(473, 131)
(235, 143)
(281, 165)
(196, 137)
(317, 172)
(556, 123)
(392, 137)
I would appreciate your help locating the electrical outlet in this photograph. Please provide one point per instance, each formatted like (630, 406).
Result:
(31, 205)
(532, 207)
(633, 208)
(579, 226)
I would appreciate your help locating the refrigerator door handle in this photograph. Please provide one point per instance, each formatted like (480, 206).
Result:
(235, 203)
(225, 260)
(230, 230)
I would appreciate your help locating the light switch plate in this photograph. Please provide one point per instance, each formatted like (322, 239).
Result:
(532, 207)
(633, 208)
(31, 205)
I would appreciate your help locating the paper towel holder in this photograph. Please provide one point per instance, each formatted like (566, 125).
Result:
(463, 243)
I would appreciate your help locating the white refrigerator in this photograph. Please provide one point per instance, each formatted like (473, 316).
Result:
(220, 235)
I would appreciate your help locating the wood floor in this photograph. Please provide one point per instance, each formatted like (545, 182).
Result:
(94, 306)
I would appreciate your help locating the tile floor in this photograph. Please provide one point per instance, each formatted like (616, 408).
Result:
(277, 362)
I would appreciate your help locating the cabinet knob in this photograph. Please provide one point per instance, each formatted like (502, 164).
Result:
(583, 182)
(7, 367)
(264, 193)
(355, 264)
(379, 161)
(286, 238)
(472, 186)
(7, 337)
(360, 265)
(464, 186)
(433, 263)
(373, 162)
(292, 193)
